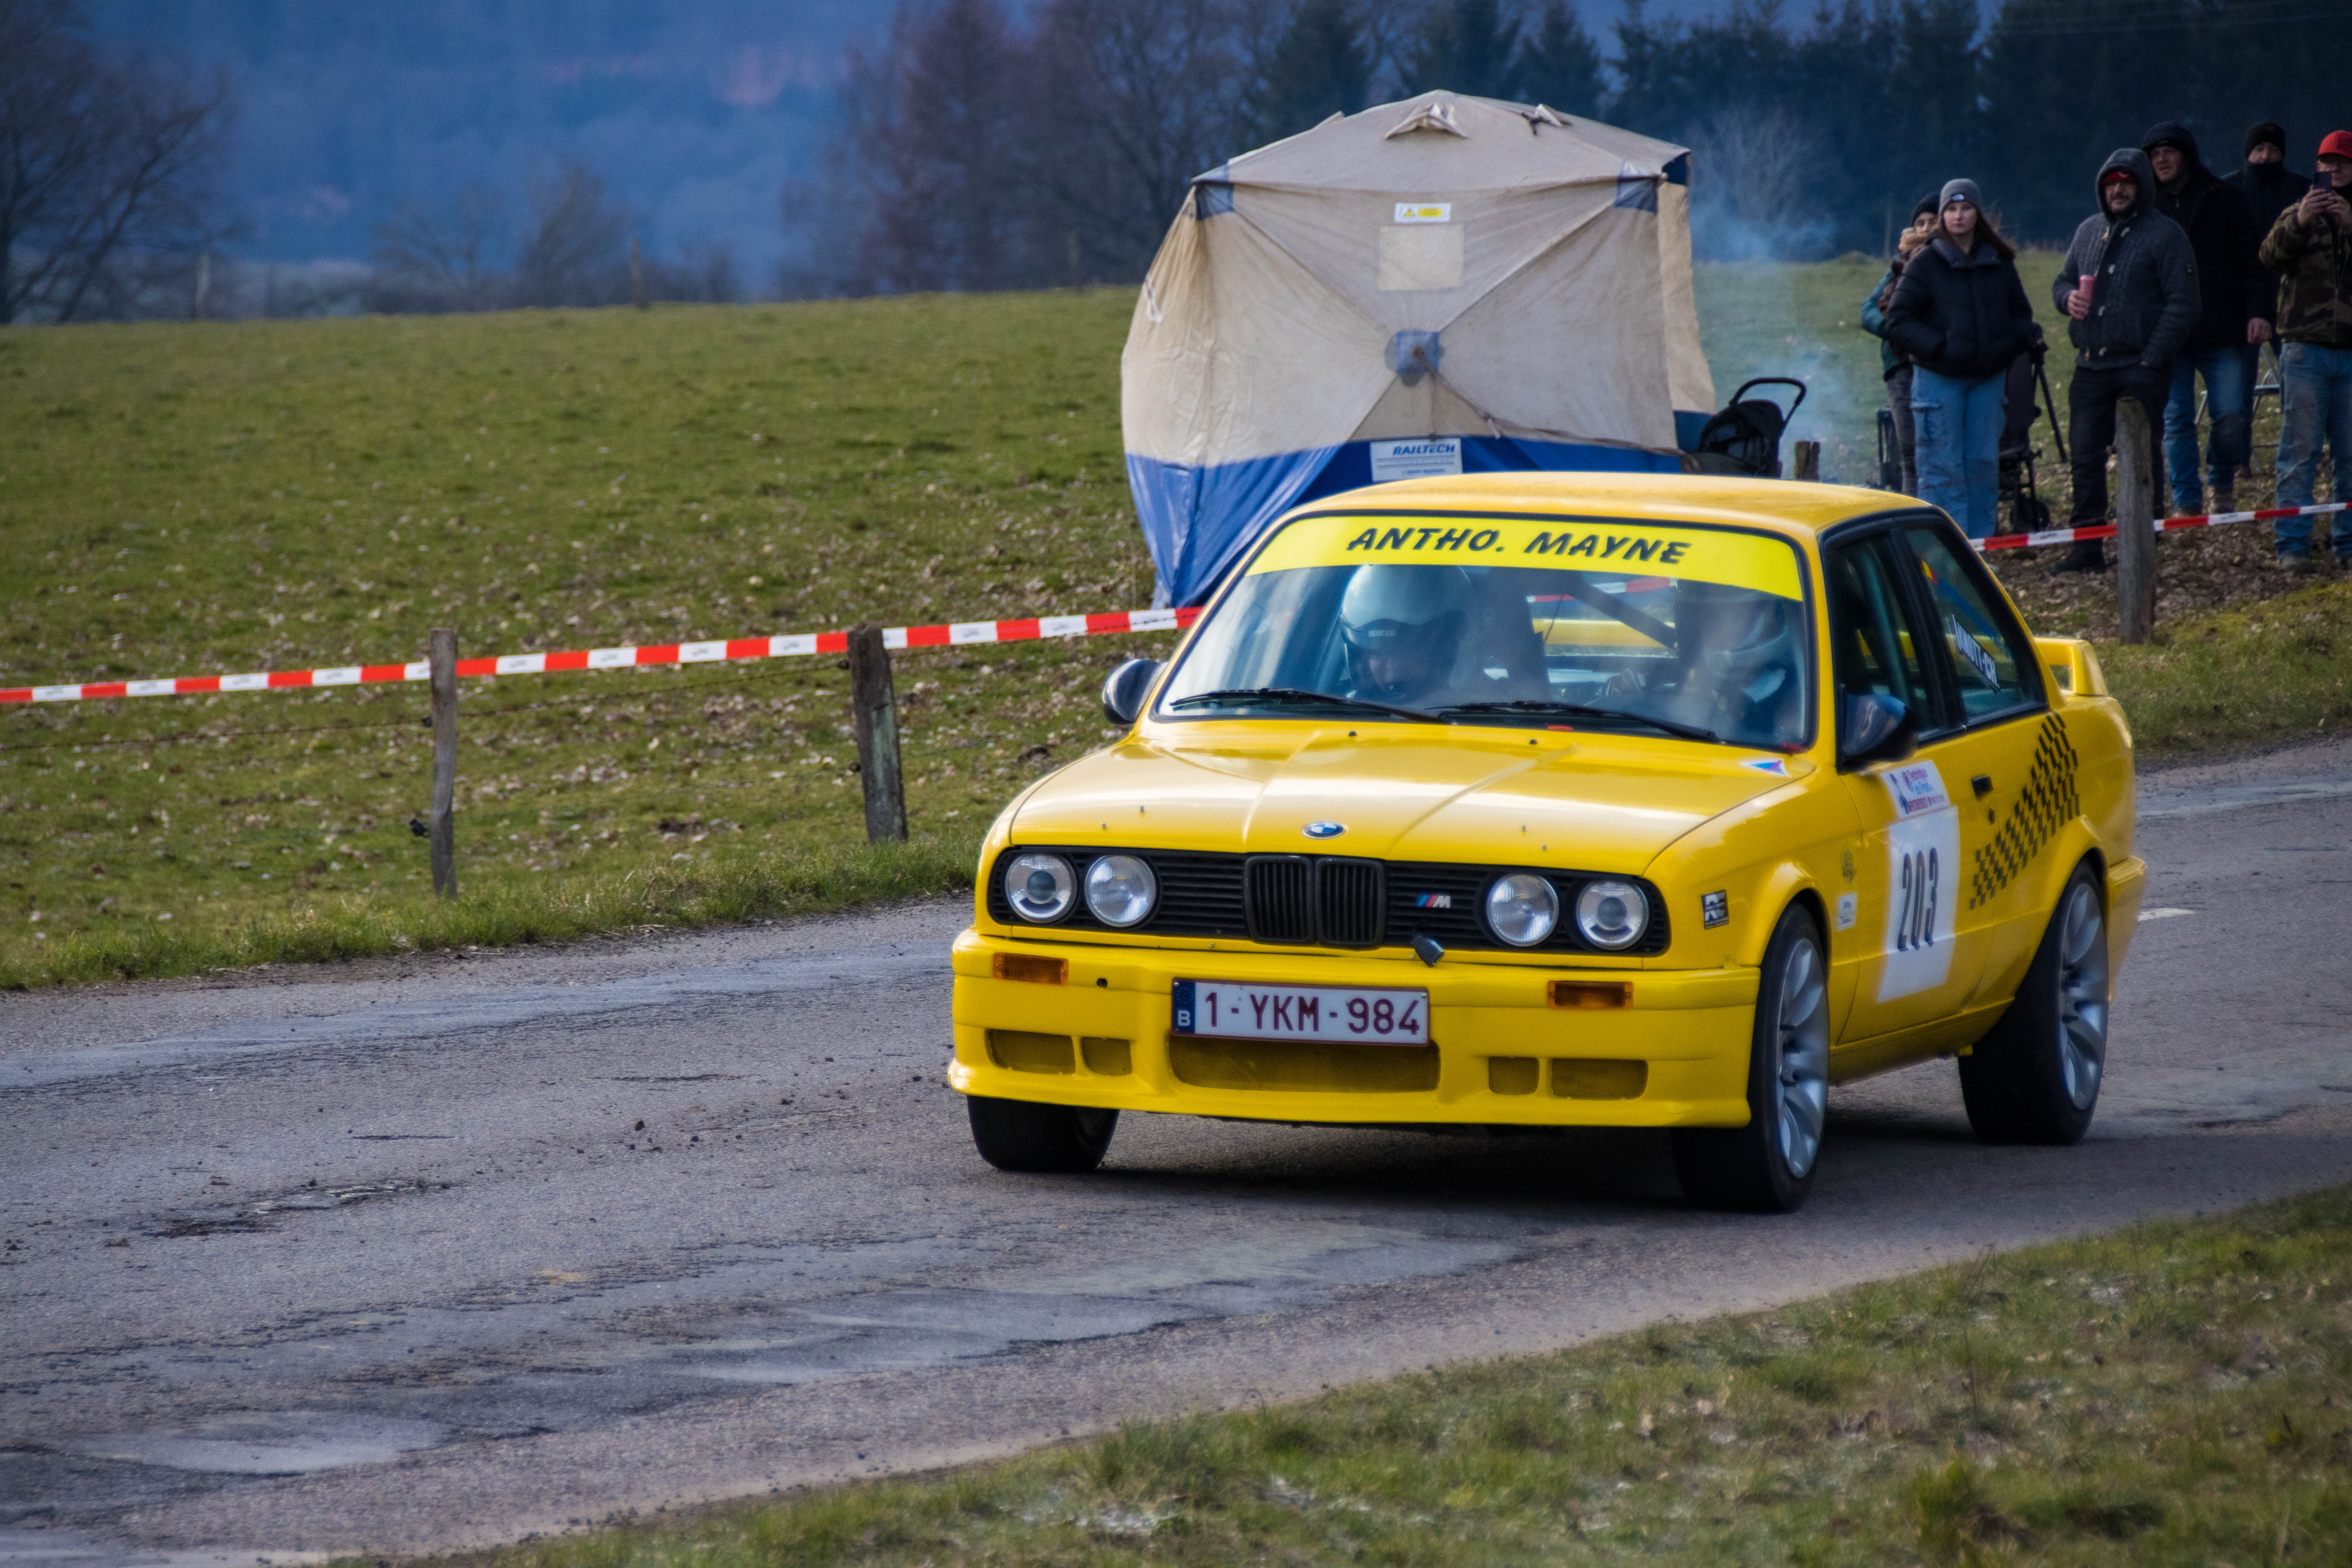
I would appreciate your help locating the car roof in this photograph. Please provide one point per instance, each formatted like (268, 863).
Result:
(1780, 506)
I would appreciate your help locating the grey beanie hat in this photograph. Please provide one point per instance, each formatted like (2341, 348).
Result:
(1960, 191)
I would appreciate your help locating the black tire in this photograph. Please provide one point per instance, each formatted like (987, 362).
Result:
(1767, 1166)
(1018, 1135)
(2036, 1078)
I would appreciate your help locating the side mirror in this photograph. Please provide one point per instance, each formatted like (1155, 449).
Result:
(1124, 689)
(1873, 728)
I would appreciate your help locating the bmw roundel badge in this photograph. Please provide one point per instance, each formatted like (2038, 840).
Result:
(1323, 830)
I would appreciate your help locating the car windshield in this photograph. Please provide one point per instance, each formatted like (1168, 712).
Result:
(1696, 631)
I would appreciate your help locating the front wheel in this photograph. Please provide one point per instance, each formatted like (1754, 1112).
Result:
(1019, 1135)
(1767, 1166)
(2036, 1078)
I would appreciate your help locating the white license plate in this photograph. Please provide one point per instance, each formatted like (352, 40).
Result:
(1360, 1015)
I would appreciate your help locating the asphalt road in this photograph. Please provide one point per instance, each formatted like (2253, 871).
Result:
(428, 1254)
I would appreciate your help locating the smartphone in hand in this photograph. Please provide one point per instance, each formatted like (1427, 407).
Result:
(2324, 180)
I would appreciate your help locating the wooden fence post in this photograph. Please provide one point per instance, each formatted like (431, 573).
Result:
(2135, 522)
(444, 659)
(874, 709)
(1808, 461)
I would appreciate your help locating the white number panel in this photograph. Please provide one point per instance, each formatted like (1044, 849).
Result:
(1923, 848)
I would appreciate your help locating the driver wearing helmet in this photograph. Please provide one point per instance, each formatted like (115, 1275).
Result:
(1740, 665)
(1403, 626)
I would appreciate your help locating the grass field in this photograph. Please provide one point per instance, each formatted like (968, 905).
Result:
(2174, 1395)
(195, 499)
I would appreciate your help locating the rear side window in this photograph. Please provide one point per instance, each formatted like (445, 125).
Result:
(1871, 641)
(1991, 669)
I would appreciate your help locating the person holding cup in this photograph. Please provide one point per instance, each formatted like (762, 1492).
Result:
(2130, 289)
(1960, 316)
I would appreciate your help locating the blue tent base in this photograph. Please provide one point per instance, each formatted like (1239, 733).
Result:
(1198, 522)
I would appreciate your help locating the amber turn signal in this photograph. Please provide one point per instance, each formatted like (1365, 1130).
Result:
(1037, 971)
(1592, 993)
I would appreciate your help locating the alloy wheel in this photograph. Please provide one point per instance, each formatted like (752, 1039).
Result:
(2083, 996)
(1801, 1087)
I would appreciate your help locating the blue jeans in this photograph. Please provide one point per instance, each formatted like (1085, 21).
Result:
(1956, 434)
(2226, 397)
(2318, 399)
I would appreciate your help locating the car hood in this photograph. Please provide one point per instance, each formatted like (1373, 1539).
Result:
(1591, 802)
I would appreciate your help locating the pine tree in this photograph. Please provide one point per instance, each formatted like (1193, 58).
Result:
(1465, 47)
(1560, 65)
(1320, 67)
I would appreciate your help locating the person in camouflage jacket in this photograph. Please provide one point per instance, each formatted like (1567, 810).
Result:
(2310, 248)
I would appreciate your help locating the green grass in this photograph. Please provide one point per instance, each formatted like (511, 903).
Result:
(180, 500)
(2269, 672)
(2178, 1393)
(211, 497)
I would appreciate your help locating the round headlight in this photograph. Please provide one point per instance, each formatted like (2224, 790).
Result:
(1040, 887)
(1611, 914)
(1121, 889)
(1522, 908)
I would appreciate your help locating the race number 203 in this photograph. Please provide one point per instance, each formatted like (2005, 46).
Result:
(1923, 850)
(1374, 1015)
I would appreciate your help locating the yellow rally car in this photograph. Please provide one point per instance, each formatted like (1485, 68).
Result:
(1569, 799)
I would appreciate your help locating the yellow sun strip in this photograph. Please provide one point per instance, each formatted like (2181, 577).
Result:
(1753, 561)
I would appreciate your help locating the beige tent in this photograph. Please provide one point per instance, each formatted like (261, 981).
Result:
(1443, 285)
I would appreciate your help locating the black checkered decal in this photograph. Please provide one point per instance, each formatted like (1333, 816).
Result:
(2047, 803)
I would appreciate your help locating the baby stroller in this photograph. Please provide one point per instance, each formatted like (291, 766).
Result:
(1745, 437)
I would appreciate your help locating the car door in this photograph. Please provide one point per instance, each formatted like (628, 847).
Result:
(2011, 755)
(1917, 951)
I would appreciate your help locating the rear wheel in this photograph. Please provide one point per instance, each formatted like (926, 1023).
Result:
(2036, 1078)
(1018, 1135)
(1768, 1165)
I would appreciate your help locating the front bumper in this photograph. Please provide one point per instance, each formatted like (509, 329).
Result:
(1673, 1055)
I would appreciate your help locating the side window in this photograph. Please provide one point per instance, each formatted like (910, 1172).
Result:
(1872, 648)
(1991, 669)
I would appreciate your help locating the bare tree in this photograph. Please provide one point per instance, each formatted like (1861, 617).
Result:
(440, 261)
(106, 163)
(1753, 172)
(575, 250)
(1139, 96)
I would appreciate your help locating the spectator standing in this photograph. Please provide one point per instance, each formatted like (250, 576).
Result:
(2310, 248)
(1894, 369)
(2137, 309)
(2236, 302)
(1960, 316)
(2270, 188)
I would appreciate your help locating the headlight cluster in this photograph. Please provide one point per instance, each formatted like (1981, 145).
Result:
(1121, 889)
(1523, 910)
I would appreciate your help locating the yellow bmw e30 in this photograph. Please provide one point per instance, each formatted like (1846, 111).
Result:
(1569, 799)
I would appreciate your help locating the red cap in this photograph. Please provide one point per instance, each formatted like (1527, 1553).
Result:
(2336, 144)
(2112, 176)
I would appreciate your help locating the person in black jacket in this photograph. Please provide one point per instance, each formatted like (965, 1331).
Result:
(2270, 188)
(1960, 316)
(2237, 305)
(1893, 369)
(2130, 283)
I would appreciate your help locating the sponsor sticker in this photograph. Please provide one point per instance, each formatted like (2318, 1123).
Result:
(1415, 460)
(1777, 766)
(1848, 908)
(1715, 909)
(1424, 212)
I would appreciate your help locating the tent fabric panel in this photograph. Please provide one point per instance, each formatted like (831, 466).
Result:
(1198, 519)
(1358, 153)
(1689, 382)
(1252, 355)
(1567, 347)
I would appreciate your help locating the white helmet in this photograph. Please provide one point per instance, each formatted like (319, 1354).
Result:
(1415, 614)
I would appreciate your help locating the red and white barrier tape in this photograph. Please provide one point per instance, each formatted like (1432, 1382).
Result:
(959, 634)
(2163, 525)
